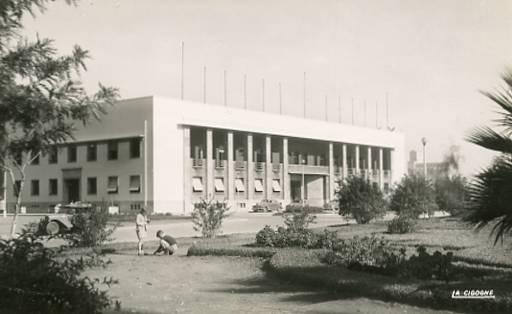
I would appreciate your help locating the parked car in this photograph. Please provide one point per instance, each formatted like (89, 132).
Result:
(267, 206)
(60, 221)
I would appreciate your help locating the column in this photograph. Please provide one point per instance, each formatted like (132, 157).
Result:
(391, 167)
(210, 192)
(285, 185)
(250, 171)
(344, 161)
(330, 191)
(268, 168)
(187, 169)
(381, 168)
(369, 166)
(357, 160)
(231, 169)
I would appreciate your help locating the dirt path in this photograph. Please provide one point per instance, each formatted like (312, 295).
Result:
(180, 284)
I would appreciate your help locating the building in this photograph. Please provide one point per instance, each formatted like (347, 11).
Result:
(171, 153)
(435, 170)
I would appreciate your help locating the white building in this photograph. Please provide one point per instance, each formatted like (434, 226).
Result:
(190, 151)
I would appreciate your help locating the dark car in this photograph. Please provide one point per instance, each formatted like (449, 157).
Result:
(266, 206)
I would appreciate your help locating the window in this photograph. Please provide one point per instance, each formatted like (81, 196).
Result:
(219, 185)
(113, 185)
(72, 151)
(135, 148)
(258, 185)
(53, 187)
(92, 150)
(35, 159)
(276, 185)
(239, 185)
(34, 187)
(16, 187)
(197, 185)
(92, 186)
(135, 184)
(53, 156)
(112, 150)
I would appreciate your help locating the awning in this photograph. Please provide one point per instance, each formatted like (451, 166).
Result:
(134, 183)
(219, 185)
(197, 185)
(276, 185)
(258, 185)
(239, 185)
(112, 184)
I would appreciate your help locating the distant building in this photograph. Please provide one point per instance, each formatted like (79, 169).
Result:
(435, 170)
(191, 151)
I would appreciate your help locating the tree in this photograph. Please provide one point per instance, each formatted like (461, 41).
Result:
(490, 193)
(414, 195)
(360, 198)
(451, 193)
(208, 216)
(41, 96)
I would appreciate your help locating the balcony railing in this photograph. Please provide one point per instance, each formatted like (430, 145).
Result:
(259, 166)
(197, 163)
(220, 164)
(239, 165)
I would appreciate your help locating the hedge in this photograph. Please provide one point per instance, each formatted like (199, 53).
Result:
(306, 267)
(205, 249)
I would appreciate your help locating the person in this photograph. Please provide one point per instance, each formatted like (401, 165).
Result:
(168, 244)
(141, 228)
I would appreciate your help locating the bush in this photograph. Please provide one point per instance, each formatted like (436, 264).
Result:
(451, 193)
(298, 221)
(401, 224)
(360, 198)
(298, 207)
(414, 195)
(35, 279)
(327, 240)
(425, 266)
(207, 217)
(266, 236)
(367, 253)
(90, 229)
(202, 249)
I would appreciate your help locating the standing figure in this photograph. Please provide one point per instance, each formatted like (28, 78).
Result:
(141, 228)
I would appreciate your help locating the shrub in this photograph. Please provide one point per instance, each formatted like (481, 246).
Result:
(90, 229)
(363, 200)
(35, 279)
(401, 224)
(202, 249)
(450, 194)
(298, 221)
(266, 236)
(327, 240)
(413, 196)
(207, 217)
(367, 253)
(426, 266)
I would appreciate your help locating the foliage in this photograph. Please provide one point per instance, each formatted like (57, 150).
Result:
(298, 221)
(41, 96)
(490, 193)
(202, 249)
(450, 194)
(298, 207)
(363, 200)
(413, 196)
(35, 279)
(90, 229)
(430, 266)
(266, 236)
(401, 224)
(207, 217)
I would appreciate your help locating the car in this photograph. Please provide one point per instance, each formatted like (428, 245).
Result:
(61, 220)
(267, 206)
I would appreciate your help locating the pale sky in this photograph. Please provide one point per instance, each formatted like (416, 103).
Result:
(431, 57)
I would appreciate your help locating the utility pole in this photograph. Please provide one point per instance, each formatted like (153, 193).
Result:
(424, 142)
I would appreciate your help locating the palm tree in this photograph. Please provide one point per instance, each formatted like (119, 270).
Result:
(490, 194)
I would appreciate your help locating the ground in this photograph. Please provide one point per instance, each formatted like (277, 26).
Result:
(181, 284)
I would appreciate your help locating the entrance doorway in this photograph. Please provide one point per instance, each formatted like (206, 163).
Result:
(295, 190)
(71, 190)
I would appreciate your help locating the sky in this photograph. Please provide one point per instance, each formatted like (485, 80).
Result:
(431, 58)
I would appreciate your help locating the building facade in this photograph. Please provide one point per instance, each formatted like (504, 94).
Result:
(170, 153)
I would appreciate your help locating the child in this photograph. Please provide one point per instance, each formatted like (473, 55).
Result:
(168, 244)
(141, 228)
